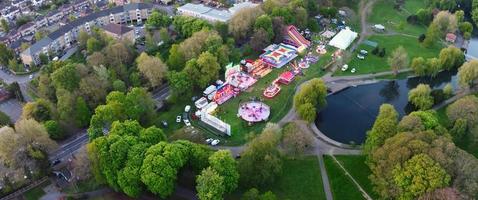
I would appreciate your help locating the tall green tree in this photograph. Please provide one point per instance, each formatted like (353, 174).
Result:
(310, 97)
(451, 58)
(66, 77)
(398, 60)
(6, 54)
(421, 97)
(419, 175)
(82, 113)
(203, 70)
(176, 59)
(210, 185)
(385, 126)
(157, 20)
(260, 161)
(468, 74)
(224, 164)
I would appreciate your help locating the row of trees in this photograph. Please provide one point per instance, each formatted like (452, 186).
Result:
(448, 59)
(416, 157)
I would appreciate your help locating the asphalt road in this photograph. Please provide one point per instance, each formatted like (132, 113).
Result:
(70, 147)
(13, 108)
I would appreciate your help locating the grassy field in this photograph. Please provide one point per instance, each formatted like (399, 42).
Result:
(341, 185)
(374, 64)
(395, 20)
(300, 180)
(36, 192)
(280, 104)
(356, 166)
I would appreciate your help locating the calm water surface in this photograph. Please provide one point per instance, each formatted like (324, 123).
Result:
(351, 112)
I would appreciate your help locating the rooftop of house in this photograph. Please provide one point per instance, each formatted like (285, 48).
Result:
(117, 29)
(26, 26)
(37, 47)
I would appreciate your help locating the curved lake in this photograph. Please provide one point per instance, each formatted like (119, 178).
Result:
(351, 112)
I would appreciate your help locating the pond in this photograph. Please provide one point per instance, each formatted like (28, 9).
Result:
(473, 47)
(351, 112)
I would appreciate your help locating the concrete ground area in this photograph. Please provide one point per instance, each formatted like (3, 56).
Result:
(12, 108)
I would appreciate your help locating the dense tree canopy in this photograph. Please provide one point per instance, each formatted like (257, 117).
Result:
(419, 174)
(468, 74)
(152, 68)
(260, 161)
(421, 97)
(466, 109)
(241, 23)
(135, 105)
(385, 126)
(310, 97)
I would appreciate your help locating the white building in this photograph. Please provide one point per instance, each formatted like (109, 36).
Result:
(343, 39)
(212, 14)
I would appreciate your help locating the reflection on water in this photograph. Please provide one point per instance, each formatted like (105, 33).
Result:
(473, 47)
(350, 113)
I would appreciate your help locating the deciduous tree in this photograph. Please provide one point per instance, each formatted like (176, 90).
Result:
(210, 185)
(152, 68)
(224, 164)
(398, 60)
(385, 126)
(421, 97)
(468, 74)
(419, 175)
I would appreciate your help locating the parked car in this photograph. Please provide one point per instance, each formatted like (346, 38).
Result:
(345, 67)
(186, 121)
(187, 108)
(31, 76)
(215, 142)
(55, 162)
(178, 119)
(164, 123)
(364, 52)
(360, 56)
(209, 140)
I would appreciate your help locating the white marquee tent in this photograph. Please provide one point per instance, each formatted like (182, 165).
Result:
(343, 39)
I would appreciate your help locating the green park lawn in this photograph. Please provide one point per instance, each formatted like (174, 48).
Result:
(342, 186)
(280, 105)
(394, 20)
(300, 180)
(356, 166)
(374, 64)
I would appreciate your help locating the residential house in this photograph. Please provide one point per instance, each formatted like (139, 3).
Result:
(10, 12)
(27, 29)
(19, 3)
(63, 38)
(41, 22)
(54, 16)
(119, 32)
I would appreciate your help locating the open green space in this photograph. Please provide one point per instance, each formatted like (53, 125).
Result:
(36, 192)
(374, 63)
(342, 186)
(396, 20)
(355, 165)
(280, 105)
(300, 180)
